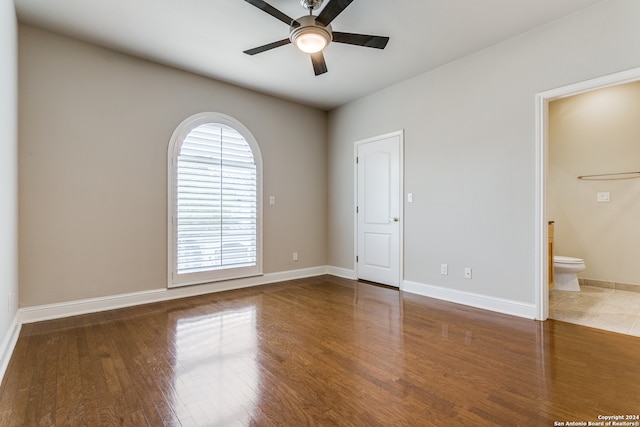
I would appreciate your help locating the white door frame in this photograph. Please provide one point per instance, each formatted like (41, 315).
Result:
(400, 134)
(541, 270)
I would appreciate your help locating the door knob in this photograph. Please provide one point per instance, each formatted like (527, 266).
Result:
(395, 219)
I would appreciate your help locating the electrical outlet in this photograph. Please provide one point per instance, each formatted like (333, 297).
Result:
(467, 273)
(444, 269)
(295, 256)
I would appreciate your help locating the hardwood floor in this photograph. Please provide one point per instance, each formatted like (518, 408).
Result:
(319, 351)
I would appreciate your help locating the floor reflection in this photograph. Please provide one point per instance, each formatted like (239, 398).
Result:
(216, 375)
(378, 326)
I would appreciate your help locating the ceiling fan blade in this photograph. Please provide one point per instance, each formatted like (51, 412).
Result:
(266, 47)
(319, 65)
(331, 10)
(261, 4)
(365, 40)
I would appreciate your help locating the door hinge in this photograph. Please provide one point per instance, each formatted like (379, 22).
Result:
(357, 259)
(357, 210)
(357, 159)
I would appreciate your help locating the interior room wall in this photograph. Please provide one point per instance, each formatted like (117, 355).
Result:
(470, 158)
(94, 132)
(596, 132)
(8, 168)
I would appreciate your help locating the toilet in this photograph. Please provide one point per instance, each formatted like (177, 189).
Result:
(565, 272)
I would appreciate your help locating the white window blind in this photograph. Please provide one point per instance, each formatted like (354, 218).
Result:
(216, 201)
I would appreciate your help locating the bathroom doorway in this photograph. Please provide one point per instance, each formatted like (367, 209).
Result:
(579, 207)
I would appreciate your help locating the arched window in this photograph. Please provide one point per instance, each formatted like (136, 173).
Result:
(215, 181)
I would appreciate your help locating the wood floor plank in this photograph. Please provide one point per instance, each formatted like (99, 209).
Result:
(89, 408)
(9, 400)
(69, 386)
(320, 351)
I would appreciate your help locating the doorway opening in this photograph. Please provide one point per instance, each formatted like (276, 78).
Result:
(543, 262)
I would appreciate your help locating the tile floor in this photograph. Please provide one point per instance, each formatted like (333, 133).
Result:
(610, 309)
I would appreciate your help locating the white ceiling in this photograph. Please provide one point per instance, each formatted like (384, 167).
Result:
(208, 36)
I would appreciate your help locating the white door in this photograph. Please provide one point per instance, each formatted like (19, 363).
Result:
(379, 209)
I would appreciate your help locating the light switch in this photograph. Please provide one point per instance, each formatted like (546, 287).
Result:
(272, 200)
(604, 196)
(409, 197)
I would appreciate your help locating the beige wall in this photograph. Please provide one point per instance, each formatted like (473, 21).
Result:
(470, 158)
(8, 171)
(594, 133)
(94, 130)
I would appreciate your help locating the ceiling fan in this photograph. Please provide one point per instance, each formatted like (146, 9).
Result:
(311, 34)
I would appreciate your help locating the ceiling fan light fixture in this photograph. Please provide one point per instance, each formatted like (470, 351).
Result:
(310, 37)
(311, 42)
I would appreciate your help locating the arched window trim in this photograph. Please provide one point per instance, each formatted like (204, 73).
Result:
(175, 144)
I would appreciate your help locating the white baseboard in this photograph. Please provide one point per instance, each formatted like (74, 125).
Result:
(93, 305)
(342, 272)
(500, 305)
(9, 344)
